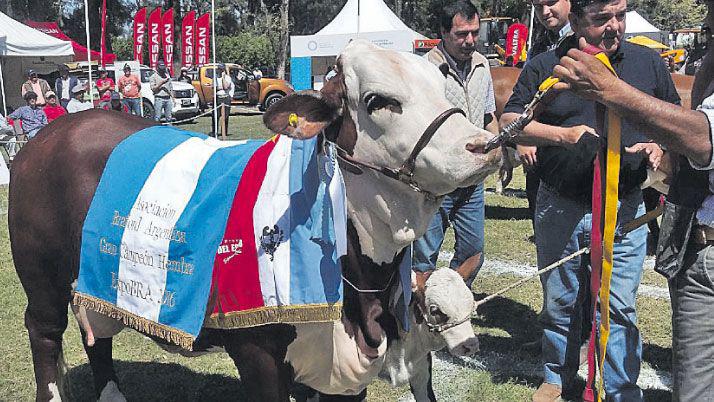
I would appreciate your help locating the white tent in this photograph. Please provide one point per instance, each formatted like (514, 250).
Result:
(21, 48)
(367, 19)
(638, 25)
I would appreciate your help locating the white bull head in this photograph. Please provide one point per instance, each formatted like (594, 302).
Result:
(376, 108)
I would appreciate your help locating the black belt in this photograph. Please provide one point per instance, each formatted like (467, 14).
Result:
(162, 97)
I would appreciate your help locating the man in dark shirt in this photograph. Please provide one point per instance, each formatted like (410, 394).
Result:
(685, 254)
(563, 216)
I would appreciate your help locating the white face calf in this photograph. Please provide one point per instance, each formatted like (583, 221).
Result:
(447, 301)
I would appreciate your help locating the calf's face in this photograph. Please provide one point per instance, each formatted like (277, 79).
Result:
(444, 299)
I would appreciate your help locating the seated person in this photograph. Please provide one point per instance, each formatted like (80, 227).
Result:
(115, 103)
(77, 103)
(31, 116)
(52, 109)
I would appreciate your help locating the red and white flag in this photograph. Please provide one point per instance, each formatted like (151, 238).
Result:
(203, 27)
(188, 38)
(516, 42)
(139, 31)
(154, 37)
(167, 25)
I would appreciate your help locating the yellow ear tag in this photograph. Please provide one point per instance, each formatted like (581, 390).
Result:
(293, 120)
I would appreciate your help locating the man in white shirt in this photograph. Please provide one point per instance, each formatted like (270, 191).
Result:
(685, 252)
(225, 89)
(77, 103)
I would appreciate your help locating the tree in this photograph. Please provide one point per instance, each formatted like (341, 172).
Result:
(282, 48)
(670, 15)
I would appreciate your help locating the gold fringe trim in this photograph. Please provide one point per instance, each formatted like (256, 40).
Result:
(275, 315)
(131, 320)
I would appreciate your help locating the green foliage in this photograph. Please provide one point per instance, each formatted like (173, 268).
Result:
(247, 48)
(123, 48)
(670, 15)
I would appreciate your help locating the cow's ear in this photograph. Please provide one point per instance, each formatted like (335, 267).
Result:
(305, 114)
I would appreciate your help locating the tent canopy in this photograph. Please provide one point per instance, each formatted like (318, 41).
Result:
(637, 24)
(368, 19)
(365, 16)
(80, 52)
(22, 40)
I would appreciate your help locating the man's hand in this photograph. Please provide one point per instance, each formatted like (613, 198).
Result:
(571, 135)
(583, 74)
(527, 155)
(650, 150)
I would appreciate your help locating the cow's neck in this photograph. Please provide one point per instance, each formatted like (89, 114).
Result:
(387, 215)
(367, 290)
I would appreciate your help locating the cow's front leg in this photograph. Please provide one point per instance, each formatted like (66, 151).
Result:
(420, 380)
(259, 355)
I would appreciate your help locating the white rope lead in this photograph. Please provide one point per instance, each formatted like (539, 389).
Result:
(528, 278)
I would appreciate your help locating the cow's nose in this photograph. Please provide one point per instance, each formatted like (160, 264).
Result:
(468, 348)
(476, 146)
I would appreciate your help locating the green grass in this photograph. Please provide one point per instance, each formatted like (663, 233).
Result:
(148, 373)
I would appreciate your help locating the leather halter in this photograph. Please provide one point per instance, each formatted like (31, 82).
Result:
(438, 328)
(405, 173)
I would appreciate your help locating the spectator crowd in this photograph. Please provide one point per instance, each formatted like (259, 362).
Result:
(44, 104)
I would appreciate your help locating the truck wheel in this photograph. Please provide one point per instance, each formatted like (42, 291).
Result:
(271, 99)
(148, 109)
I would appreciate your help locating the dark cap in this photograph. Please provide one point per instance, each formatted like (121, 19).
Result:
(161, 63)
(31, 72)
(127, 67)
(29, 95)
(115, 95)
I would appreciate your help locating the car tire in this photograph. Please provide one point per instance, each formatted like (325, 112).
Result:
(148, 109)
(271, 99)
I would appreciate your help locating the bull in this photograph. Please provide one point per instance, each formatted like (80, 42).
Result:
(383, 109)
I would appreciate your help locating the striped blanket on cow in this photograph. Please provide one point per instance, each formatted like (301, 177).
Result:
(180, 221)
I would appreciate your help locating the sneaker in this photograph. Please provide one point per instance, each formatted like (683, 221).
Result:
(547, 393)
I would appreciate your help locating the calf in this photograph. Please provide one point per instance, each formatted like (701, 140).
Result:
(440, 316)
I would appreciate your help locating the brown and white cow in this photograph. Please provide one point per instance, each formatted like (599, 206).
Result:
(376, 109)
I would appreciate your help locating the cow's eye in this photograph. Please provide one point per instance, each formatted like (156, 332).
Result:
(376, 102)
(438, 315)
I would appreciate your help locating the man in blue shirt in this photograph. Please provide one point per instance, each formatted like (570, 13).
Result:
(31, 116)
(563, 216)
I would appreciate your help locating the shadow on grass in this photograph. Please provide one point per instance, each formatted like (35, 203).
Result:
(519, 320)
(658, 357)
(504, 213)
(152, 381)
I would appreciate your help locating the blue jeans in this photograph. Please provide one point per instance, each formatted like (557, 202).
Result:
(562, 227)
(162, 106)
(464, 209)
(134, 105)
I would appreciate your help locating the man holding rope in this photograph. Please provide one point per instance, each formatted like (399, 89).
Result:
(563, 215)
(684, 254)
